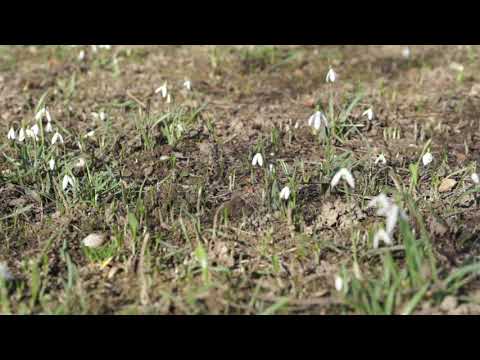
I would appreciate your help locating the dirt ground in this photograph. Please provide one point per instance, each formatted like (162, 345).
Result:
(190, 226)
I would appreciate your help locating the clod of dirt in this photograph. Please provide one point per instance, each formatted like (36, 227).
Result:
(237, 207)
(437, 226)
(447, 185)
(94, 240)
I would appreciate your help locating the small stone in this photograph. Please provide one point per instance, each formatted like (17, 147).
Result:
(449, 303)
(148, 171)
(447, 185)
(475, 90)
(94, 240)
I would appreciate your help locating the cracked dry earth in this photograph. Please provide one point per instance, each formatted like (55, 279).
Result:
(163, 206)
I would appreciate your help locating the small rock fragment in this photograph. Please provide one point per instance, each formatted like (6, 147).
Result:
(447, 185)
(449, 303)
(94, 240)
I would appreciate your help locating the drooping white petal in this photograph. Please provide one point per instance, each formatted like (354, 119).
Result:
(427, 159)
(383, 236)
(187, 85)
(35, 129)
(392, 218)
(48, 116)
(257, 160)
(381, 159)
(331, 76)
(21, 135)
(51, 164)
(49, 127)
(11, 134)
(317, 120)
(285, 193)
(40, 114)
(67, 181)
(406, 52)
(338, 283)
(90, 134)
(57, 137)
(475, 178)
(162, 90)
(343, 174)
(369, 114)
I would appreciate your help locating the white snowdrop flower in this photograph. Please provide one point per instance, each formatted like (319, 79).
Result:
(162, 90)
(51, 164)
(343, 174)
(187, 85)
(338, 283)
(271, 167)
(21, 135)
(31, 134)
(382, 203)
(406, 52)
(35, 129)
(386, 208)
(318, 120)
(67, 181)
(297, 125)
(427, 159)
(383, 236)
(57, 137)
(369, 114)
(285, 193)
(49, 127)
(81, 55)
(331, 76)
(40, 114)
(475, 178)
(257, 160)
(169, 99)
(11, 134)
(5, 273)
(90, 134)
(381, 159)
(94, 48)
